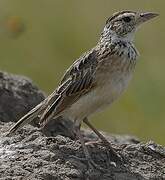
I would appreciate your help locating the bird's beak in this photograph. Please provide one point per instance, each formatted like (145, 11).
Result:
(143, 17)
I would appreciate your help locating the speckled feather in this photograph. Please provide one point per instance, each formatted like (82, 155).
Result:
(88, 74)
(98, 77)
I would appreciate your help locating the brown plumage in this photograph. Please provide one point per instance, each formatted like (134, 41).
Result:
(96, 79)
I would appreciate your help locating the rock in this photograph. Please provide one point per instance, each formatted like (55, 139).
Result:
(18, 95)
(54, 154)
(32, 155)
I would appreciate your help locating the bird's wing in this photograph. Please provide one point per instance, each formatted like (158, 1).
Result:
(78, 80)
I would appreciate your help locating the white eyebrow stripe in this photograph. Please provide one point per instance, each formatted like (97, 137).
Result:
(125, 15)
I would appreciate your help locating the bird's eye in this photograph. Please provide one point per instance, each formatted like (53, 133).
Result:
(127, 19)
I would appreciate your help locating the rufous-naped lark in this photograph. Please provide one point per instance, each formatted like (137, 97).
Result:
(95, 79)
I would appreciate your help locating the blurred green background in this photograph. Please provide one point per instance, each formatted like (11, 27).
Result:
(41, 38)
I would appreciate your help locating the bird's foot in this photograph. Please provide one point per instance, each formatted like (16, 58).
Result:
(91, 165)
(112, 154)
(93, 143)
(113, 158)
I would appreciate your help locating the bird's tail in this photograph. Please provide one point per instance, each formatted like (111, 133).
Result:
(27, 118)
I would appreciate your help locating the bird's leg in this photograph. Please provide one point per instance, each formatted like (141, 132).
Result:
(105, 141)
(80, 137)
(91, 163)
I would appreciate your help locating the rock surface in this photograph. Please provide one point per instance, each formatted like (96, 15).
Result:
(32, 155)
(46, 155)
(18, 95)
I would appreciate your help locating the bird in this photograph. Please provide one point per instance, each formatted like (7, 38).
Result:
(96, 79)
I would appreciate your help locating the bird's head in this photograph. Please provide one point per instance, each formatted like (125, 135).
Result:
(123, 25)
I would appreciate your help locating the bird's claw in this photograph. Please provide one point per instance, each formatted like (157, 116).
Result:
(90, 163)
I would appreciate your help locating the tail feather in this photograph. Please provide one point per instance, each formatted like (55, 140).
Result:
(49, 112)
(43, 110)
(27, 118)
